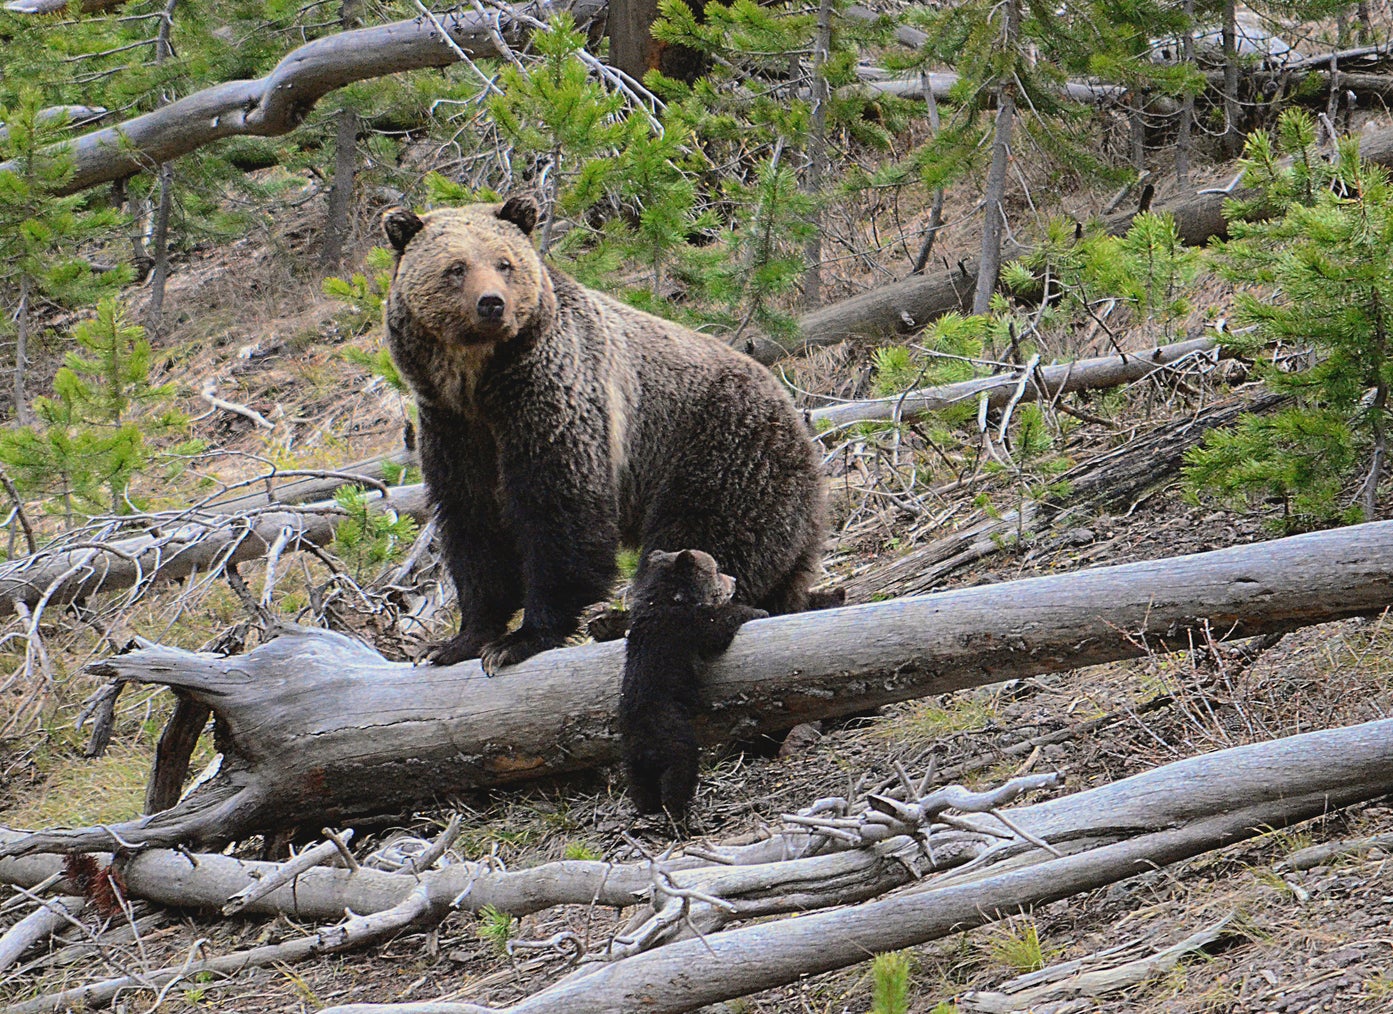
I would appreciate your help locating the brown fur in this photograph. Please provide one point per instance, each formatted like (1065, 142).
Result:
(566, 422)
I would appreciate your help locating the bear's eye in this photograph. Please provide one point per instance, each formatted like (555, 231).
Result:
(505, 267)
(457, 270)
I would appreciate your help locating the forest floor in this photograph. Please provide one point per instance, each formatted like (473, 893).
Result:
(1311, 940)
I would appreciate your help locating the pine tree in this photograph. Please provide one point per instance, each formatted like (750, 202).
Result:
(1318, 283)
(40, 234)
(1014, 60)
(89, 442)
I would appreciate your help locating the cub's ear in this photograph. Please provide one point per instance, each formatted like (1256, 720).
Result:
(400, 226)
(521, 211)
(687, 560)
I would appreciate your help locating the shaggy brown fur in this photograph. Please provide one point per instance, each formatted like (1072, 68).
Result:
(556, 422)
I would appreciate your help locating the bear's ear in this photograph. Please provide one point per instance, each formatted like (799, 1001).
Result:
(400, 225)
(521, 211)
(687, 561)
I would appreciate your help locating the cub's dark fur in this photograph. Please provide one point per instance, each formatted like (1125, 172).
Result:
(556, 422)
(680, 618)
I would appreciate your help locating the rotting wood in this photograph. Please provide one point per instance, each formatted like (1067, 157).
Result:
(316, 727)
(1045, 381)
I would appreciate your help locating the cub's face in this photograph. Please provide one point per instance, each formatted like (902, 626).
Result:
(687, 578)
(467, 276)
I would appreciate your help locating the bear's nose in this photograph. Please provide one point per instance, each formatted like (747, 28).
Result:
(491, 307)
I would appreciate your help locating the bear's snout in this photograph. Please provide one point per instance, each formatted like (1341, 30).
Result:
(490, 307)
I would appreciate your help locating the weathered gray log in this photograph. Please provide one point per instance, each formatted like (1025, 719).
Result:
(176, 545)
(304, 489)
(1178, 811)
(280, 101)
(1047, 381)
(317, 727)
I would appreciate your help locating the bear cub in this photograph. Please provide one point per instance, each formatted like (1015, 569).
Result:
(557, 423)
(680, 618)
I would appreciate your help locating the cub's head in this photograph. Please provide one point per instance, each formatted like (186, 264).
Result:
(686, 578)
(468, 275)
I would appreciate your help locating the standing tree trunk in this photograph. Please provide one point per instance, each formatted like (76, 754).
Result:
(1187, 106)
(159, 234)
(22, 414)
(633, 49)
(1233, 137)
(817, 154)
(337, 223)
(994, 223)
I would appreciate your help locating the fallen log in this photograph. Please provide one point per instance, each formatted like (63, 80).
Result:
(1089, 839)
(907, 306)
(316, 727)
(1147, 821)
(1044, 381)
(176, 545)
(304, 489)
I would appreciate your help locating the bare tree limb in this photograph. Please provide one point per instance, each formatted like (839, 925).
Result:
(1047, 381)
(280, 101)
(175, 545)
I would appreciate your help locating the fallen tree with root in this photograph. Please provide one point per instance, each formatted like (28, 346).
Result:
(315, 727)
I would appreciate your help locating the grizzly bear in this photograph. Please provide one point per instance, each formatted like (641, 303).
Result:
(556, 422)
(680, 618)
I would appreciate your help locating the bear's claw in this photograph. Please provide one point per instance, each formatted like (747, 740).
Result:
(510, 649)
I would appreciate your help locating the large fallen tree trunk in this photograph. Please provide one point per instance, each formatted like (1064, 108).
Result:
(317, 727)
(175, 545)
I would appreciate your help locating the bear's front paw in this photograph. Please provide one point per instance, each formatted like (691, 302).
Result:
(510, 649)
(460, 648)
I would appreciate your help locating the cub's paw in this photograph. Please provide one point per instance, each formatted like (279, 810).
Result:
(460, 648)
(510, 649)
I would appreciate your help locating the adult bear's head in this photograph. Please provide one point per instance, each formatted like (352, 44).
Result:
(469, 275)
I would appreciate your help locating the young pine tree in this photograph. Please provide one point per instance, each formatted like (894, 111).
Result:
(89, 442)
(1320, 272)
(40, 233)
